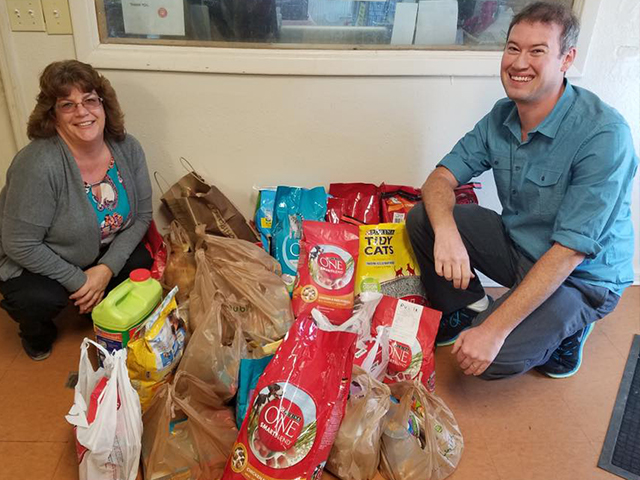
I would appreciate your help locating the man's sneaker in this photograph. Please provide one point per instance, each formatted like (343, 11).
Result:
(567, 358)
(36, 354)
(451, 325)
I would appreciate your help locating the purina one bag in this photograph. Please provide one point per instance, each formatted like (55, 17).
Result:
(298, 403)
(107, 418)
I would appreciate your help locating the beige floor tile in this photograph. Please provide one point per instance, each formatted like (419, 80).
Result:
(545, 460)
(621, 325)
(29, 460)
(591, 393)
(476, 464)
(67, 468)
(450, 387)
(33, 404)
(524, 409)
(9, 341)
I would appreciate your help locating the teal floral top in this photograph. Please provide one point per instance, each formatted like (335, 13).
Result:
(110, 202)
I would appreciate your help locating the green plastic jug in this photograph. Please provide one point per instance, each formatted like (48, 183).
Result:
(119, 317)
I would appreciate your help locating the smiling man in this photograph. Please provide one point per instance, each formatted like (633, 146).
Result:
(563, 163)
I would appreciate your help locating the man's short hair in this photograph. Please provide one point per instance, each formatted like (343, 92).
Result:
(547, 12)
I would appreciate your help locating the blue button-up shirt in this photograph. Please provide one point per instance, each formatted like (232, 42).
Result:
(569, 182)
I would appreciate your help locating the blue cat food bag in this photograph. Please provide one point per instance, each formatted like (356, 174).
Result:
(248, 376)
(293, 205)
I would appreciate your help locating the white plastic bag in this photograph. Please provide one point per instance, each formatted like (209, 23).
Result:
(374, 366)
(107, 418)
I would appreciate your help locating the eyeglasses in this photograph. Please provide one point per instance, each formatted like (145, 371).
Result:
(90, 103)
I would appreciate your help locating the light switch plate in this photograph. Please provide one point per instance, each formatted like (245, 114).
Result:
(25, 15)
(57, 17)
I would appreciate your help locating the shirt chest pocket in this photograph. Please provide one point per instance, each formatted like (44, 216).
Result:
(501, 166)
(543, 189)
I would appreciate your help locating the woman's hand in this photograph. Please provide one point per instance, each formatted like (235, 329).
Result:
(90, 294)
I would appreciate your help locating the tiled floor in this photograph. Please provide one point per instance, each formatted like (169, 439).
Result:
(531, 427)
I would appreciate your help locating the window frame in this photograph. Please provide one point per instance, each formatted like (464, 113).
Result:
(342, 61)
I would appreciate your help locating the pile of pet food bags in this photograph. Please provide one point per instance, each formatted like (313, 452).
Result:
(302, 343)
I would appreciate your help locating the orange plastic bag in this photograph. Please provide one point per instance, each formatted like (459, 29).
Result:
(188, 432)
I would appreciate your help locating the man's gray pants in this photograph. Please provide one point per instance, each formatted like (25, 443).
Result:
(573, 306)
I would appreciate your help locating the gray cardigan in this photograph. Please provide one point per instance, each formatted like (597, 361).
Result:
(47, 224)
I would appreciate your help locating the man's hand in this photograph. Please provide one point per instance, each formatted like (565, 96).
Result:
(451, 259)
(450, 255)
(90, 294)
(477, 347)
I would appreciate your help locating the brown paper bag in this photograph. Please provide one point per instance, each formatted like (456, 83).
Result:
(435, 453)
(188, 431)
(192, 200)
(355, 454)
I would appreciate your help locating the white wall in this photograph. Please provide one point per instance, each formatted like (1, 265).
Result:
(243, 131)
(7, 143)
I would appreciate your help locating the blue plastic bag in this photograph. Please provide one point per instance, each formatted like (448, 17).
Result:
(292, 206)
(250, 371)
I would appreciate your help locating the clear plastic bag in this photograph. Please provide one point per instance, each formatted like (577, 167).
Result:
(188, 431)
(248, 280)
(356, 451)
(212, 356)
(422, 439)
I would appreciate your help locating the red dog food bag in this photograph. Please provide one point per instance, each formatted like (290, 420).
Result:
(466, 193)
(361, 202)
(397, 201)
(326, 270)
(412, 337)
(297, 406)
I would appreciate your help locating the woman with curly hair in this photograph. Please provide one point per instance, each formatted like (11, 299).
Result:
(75, 206)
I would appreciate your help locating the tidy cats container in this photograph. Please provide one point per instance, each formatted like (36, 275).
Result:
(118, 319)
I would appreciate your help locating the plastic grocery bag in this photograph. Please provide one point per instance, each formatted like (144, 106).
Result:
(372, 355)
(210, 356)
(356, 451)
(155, 355)
(180, 270)
(248, 279)
(422, 439)
(188, 432)
(107, 418)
